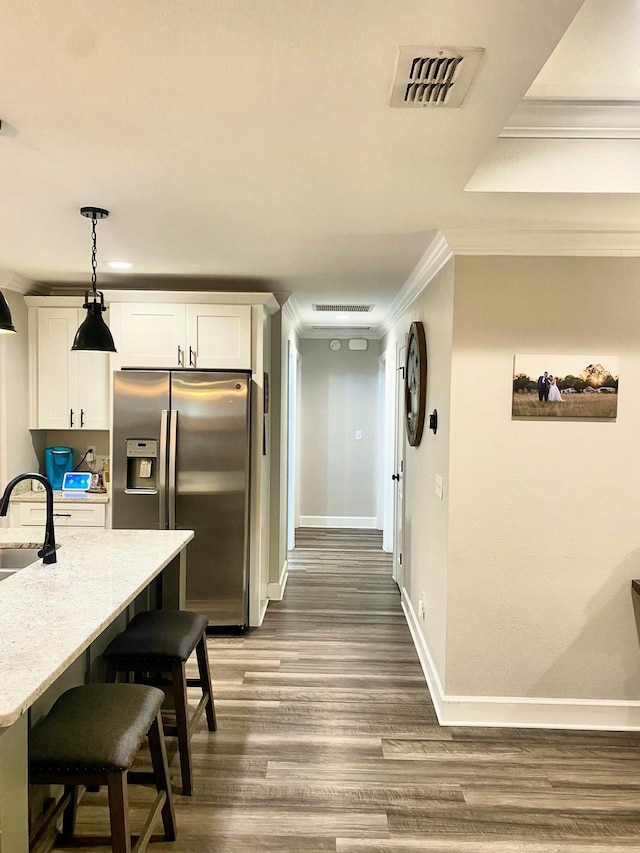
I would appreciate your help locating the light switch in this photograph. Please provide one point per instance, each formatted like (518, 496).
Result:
(439, 490)
(358, 435)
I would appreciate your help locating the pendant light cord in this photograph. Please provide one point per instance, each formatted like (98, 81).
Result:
(94, 262)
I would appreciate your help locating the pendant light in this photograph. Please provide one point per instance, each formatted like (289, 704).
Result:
(93, 334)
(6, 323)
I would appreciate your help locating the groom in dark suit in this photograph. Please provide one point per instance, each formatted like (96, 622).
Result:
(543, 387)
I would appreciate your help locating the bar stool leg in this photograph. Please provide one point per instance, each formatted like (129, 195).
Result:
(111, 674)
(182, 724)
(69, 814)
(161, 773)
(119, 811)
(205, 681)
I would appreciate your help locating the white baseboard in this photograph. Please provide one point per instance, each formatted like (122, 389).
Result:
(517, 711)
(275, 591)
(426, 661)
(358, 521)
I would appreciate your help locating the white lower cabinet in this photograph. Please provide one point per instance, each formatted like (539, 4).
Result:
(34, 514)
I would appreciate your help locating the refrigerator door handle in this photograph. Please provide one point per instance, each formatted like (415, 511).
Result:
(162, 471)
(173, 440)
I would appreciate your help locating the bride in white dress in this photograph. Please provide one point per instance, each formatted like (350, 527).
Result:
(554, 392)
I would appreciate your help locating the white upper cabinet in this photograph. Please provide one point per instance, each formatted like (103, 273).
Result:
(151, 335)
(218, 336)
(71, 389)
(184, 335)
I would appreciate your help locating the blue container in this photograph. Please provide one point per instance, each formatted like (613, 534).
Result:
(57, 461)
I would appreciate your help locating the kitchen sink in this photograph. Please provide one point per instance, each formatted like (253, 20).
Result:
(14, 557)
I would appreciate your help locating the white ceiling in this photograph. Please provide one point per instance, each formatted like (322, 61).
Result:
(250, 143)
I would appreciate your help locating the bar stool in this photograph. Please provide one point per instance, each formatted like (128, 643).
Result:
(91, 737)
(159, 642)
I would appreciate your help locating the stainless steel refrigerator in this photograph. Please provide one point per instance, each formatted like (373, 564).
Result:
(181, 452)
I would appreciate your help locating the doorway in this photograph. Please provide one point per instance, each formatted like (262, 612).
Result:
(398, 501)
(293, 445)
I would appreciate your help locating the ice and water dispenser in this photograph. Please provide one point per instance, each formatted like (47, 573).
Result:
(142, 465)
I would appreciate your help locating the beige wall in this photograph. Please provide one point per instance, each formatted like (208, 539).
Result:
(544, 515)
(339, 395)
(426, 516)
(16, 450)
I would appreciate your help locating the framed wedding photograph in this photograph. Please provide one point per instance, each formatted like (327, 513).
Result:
(565, 386)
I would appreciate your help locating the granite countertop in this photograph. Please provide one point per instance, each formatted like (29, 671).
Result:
(60, 497)
(50, 614)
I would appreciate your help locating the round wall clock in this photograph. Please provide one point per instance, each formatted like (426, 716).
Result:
(415, 383)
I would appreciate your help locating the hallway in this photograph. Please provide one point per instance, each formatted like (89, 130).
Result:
(328, 741)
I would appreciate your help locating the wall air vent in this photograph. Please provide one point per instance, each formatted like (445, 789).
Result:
(343, 309)
(434, 76)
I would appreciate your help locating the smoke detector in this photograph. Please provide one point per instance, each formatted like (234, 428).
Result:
(434, 76)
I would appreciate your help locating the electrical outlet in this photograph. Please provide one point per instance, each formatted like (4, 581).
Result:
(422, 607)
(91, 453)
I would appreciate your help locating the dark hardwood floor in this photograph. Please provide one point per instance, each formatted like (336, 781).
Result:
(328, 741)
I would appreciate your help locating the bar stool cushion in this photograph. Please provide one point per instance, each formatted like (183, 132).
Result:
(158, 635)
(94, 728)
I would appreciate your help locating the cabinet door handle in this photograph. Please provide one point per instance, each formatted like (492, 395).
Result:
(192, 357)
(70, 417)
(180, 356)
(62, 514)
(81, 417)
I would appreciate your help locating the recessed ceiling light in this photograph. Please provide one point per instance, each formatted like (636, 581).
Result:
(119, 265)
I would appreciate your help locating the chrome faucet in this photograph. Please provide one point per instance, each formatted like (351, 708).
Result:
(48, 550)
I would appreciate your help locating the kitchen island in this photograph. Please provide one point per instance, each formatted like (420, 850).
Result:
(50, 615)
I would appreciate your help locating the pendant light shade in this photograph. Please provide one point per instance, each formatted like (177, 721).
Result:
(93, 334)
(6, 323)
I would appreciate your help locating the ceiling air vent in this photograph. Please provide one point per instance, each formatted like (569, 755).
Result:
(434, 76)
(343, 309)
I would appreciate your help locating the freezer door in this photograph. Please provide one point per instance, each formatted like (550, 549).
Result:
(139, 399)
(211, 489)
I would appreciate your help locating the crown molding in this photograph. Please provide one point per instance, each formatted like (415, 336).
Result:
(12, 281)
(574, 119)
(525, 241)
(430, 264)
(291, 311)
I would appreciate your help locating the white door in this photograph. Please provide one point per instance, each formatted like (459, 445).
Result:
(398, 527)
(218, 336)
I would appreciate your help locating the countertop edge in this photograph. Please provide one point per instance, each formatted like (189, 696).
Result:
(10, 717)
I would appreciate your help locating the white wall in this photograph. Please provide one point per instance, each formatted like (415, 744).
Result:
(339, 395)
(16, 450)
(426, 516)
(527, 563)
(545, 515)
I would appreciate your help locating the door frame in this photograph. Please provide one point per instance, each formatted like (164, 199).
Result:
(386, 445)
(293, 442)
(399, 466)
